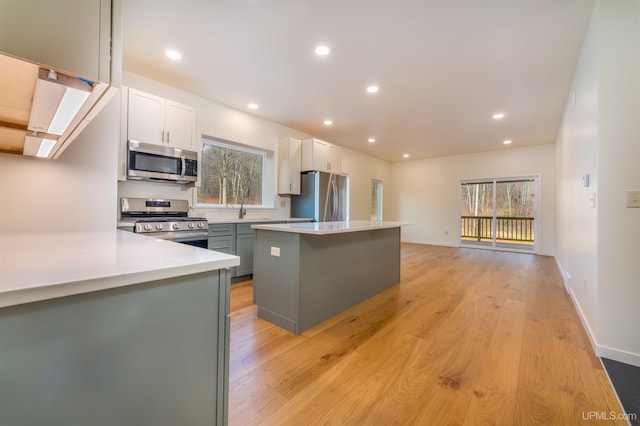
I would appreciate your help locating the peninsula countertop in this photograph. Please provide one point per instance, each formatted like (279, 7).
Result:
(326, 228)
(217, 220)
(42, 266)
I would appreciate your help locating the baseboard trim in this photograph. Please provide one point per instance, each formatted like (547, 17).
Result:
(600, 350)
(583, 320)
(618, 355)
(430, 243)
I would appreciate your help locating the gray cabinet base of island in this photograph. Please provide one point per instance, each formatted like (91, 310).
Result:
(303, 279)
(154, 353)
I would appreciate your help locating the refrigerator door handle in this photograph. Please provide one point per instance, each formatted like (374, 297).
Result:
(327, 199)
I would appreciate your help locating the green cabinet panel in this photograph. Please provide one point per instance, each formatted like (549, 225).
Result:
(146, 354)
(244, 249)
(217, 229)
(236, 239)
(244, 228)
(224, 244)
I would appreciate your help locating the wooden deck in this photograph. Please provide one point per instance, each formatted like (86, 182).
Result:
(468, 337)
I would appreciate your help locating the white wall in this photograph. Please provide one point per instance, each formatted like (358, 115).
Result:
(619, 171)
(362, 169)
(425, 192)
(76, 192)
(577, 154)
(222, 122)
(599, 249)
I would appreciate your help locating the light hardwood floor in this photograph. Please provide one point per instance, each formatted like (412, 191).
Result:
(468, 337)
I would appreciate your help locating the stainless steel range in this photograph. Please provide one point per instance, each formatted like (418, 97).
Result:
(165, 219)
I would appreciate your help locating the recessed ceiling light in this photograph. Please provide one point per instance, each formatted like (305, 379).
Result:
(405, 155)
(498, 116)
(371, 140)
(372, 89)
(253, 105)
(173, 54)
(328, 122)
(322, 50)
(507, 142)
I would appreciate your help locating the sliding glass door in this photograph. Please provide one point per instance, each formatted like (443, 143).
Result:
(499, 213)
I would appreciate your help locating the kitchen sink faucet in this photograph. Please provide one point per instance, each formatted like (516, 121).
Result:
(243, 212)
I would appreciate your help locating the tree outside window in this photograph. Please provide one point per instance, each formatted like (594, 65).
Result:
(230, 174)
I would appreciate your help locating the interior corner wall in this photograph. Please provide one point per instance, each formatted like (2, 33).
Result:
(426, 192)
(598, 248)
(576, 155)
(619, 171)
(75, 192)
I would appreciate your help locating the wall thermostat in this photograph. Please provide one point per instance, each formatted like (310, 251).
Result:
(585, 180)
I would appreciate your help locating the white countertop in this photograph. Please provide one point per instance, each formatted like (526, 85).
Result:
(238, 220)
(325, 228)
(48, 265)
(261, 219)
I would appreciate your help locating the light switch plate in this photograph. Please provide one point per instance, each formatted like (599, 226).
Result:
(633, 198)
(275, 251)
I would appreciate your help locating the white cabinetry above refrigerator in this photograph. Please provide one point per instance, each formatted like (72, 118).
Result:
(321, 156)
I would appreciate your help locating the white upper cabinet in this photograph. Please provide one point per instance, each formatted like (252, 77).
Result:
(180, 125)
(146, 117)
(153, 119)
(322, 156)
(289, 157)
(334, 158)
(70, 35)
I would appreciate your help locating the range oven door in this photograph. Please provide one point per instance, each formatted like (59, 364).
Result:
(192, 238)
(194, 241)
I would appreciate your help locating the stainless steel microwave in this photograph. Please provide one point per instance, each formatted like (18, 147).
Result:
(161, 163)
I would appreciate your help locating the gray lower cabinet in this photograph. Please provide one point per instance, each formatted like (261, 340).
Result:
(155, 353)
(222, 238)
(224, 244)
(244, 249)
(236, 239)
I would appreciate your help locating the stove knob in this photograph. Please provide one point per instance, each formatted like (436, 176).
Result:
(191, 225)
(175, 226)
(200, 225)
(147, 227)
(159, 227)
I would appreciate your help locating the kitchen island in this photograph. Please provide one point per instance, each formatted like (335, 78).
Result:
(112, 327)
(305, 273)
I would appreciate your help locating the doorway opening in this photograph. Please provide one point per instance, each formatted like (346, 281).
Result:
(499, 213)
(376, 199)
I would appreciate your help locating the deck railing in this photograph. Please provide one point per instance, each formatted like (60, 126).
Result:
(480, 228)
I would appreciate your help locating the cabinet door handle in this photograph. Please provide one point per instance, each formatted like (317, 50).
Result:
(221, 230)
(219, 248)
(168, 136)
(162, 136)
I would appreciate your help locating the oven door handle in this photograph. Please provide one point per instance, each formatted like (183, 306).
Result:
(179, 236)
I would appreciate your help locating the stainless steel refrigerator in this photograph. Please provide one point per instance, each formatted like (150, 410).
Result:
(323, 197)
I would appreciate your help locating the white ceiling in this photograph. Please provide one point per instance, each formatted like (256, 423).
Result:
(444, 67)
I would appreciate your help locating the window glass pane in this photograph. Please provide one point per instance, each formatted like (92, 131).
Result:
(476, 212)
(477, 199)
(230, 174)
